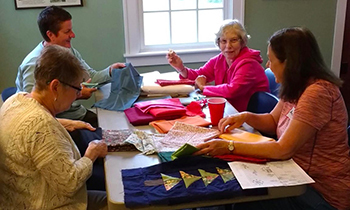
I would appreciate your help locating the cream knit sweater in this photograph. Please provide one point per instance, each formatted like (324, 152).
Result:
(40, 166)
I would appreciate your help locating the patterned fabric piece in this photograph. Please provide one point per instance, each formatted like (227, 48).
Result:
(207, 177)
(144, 141)
(226, 174)
(169, 181)
(189, 178)
(136, 194)
(164, 126)
(115, 140)
(182, 133)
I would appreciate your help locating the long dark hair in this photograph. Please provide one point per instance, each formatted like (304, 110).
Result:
(304, 62)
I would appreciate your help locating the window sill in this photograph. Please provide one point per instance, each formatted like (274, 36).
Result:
(159, 57)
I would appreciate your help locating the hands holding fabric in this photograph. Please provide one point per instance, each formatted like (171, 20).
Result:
(213, 147)
(72, 125)
(115, 66)
(96, 149)
(219, 146)
(231, 122)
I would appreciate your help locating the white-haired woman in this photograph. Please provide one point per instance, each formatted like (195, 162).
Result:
(237, 70)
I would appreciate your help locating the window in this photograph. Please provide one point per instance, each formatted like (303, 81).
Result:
(186, 26)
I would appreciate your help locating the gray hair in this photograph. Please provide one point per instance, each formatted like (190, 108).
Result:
(235, 25)
(56, 62)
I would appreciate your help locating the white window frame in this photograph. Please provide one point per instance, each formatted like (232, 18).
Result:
(133, 36)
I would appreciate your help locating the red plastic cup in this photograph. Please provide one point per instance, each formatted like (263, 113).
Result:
(216, 109)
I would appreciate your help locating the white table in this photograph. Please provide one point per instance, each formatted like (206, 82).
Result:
(116, 161)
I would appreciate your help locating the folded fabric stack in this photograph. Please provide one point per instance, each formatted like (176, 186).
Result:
(164, 126)
(162, 109)
(166, 82)
(151, 86)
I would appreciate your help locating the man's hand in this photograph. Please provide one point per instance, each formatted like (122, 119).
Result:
(86, 92)
(72, 125)
(115, 66)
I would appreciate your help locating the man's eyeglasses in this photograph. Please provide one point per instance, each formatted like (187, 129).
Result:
(77, 88)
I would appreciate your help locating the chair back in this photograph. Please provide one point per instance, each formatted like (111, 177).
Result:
(8, 92)
(274, 87)
(262, 102)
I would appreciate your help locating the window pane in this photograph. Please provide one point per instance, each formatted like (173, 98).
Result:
(156, 28)
(155, 5)
(210, 4)
(208, 24)
(184, 27)
(183, 4)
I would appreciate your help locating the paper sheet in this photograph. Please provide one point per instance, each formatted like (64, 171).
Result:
(271, 174)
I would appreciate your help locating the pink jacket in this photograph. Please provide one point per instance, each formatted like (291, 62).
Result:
(236, 83)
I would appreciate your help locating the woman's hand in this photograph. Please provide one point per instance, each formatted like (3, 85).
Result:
(213, 147)
(96, 148)
(175, 61)
(231, 122)
(72, 125)
(200, 82)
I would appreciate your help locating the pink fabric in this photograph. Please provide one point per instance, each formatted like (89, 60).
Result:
(326, 156)
(164, 112)
(232, 157)
(194, 108)
(182, 133)
(137, 117)
(160, 103)
(237, 82)
(165, 82)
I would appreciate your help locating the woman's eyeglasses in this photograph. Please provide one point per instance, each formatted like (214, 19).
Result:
(231, 41)
(77, 88)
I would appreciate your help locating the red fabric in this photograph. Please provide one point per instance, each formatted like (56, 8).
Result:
(160, 103)
(194, 108)
(137, 117)
(163, 112)
(165, 82)
(241, 158)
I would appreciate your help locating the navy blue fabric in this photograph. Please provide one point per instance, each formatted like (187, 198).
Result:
(136, 194)
(125, 89)
(82, 138)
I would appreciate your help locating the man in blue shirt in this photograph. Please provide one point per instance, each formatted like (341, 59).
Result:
(55, 25)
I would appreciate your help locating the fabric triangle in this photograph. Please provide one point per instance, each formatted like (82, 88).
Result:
(189, 178)
(169, 181)
(226, 174)
(207, 177)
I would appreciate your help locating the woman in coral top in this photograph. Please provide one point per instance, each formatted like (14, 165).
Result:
(310, 121)
(237, 70)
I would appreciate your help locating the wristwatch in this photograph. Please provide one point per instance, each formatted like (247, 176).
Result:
(231, 147)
